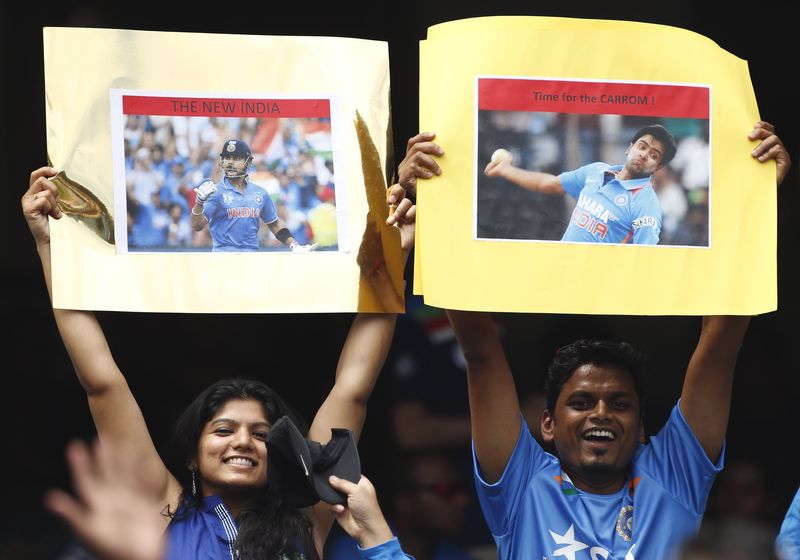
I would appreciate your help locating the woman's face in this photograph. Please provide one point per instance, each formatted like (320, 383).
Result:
(232, 453)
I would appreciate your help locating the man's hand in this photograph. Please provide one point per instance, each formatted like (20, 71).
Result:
(770, 147)
(39, 202)
(419, 162)
(297, 248)
(496, 168)
(204, 190)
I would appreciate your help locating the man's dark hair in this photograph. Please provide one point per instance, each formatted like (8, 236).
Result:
(662, 135)
(599, 353)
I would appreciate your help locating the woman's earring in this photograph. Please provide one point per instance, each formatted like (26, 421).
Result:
(194, 484)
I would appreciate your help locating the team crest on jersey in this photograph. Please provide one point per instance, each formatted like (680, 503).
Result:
(621, 200)
(258, 198)
(227, 198)
(625, 523)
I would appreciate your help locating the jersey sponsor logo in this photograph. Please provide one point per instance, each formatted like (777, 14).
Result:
(595, 208)
(243, 213)
(645, 221)
(625, 523)
(621, 200)
(227, 198)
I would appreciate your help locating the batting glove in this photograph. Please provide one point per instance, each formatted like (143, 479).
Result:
(204, 190)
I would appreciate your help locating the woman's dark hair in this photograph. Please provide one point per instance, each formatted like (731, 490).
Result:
(269, 528)
(600, 353)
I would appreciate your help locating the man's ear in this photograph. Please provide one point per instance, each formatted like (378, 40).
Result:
(548, 425)
(641, 431)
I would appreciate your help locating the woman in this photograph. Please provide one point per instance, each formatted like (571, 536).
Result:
(224, 470)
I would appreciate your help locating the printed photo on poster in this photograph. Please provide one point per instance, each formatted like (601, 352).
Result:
(226, 174)
(592, 162)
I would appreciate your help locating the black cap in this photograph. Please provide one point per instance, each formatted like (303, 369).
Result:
(236, 148)
(299, 468)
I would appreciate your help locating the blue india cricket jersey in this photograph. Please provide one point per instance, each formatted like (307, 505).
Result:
(233, 216)
(609, 210)
(789, 538)
(534, 511)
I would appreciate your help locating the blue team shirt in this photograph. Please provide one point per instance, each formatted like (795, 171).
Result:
(209, 533)
(204, 533)
(610, 210)
(233, 216)
(534, 511)
(788, 542)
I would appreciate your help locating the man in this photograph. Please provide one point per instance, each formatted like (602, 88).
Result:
(233, 207)
(616, 204)
(606, 494)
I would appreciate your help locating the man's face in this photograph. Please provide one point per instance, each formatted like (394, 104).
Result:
(233, 166)
(644, 157)
(596, 427)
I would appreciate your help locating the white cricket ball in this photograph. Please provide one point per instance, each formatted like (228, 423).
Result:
(500, 154)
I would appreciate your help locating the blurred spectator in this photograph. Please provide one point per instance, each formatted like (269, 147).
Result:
(732, 540)
(142, 181)
(427, 504)
(672, 199)
(742, 492)
(179, 229)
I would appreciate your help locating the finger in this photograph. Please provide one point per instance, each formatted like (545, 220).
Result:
(66, 507)
(81, 466)
(410, 217)
(399, 214)
(44, 203)
(431, 148)
(46, 171)
(773, 153)
(421, 137)
(761, 131)
(419, 165)
(395, 194)
(403, 208)
(766, 125)
(766, 145)
(342, 485)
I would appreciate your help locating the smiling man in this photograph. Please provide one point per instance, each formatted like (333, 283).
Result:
(606, 494)
(615, 203)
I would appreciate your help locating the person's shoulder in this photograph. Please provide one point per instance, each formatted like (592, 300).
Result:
(597, 167)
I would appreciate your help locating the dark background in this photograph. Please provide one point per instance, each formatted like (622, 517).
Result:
(169, 358)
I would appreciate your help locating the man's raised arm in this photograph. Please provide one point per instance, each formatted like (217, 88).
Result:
(493, 400)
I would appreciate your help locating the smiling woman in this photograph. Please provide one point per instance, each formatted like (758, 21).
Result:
(213, 490)
(218, 453)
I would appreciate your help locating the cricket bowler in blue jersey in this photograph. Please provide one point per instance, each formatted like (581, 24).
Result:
(615, 204)
(234, 207)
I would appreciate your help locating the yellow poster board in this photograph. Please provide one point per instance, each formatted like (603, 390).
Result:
(136, 120)
(582, 219)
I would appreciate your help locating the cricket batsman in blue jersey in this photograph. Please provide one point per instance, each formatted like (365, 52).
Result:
(233, 207)
(615, 203)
